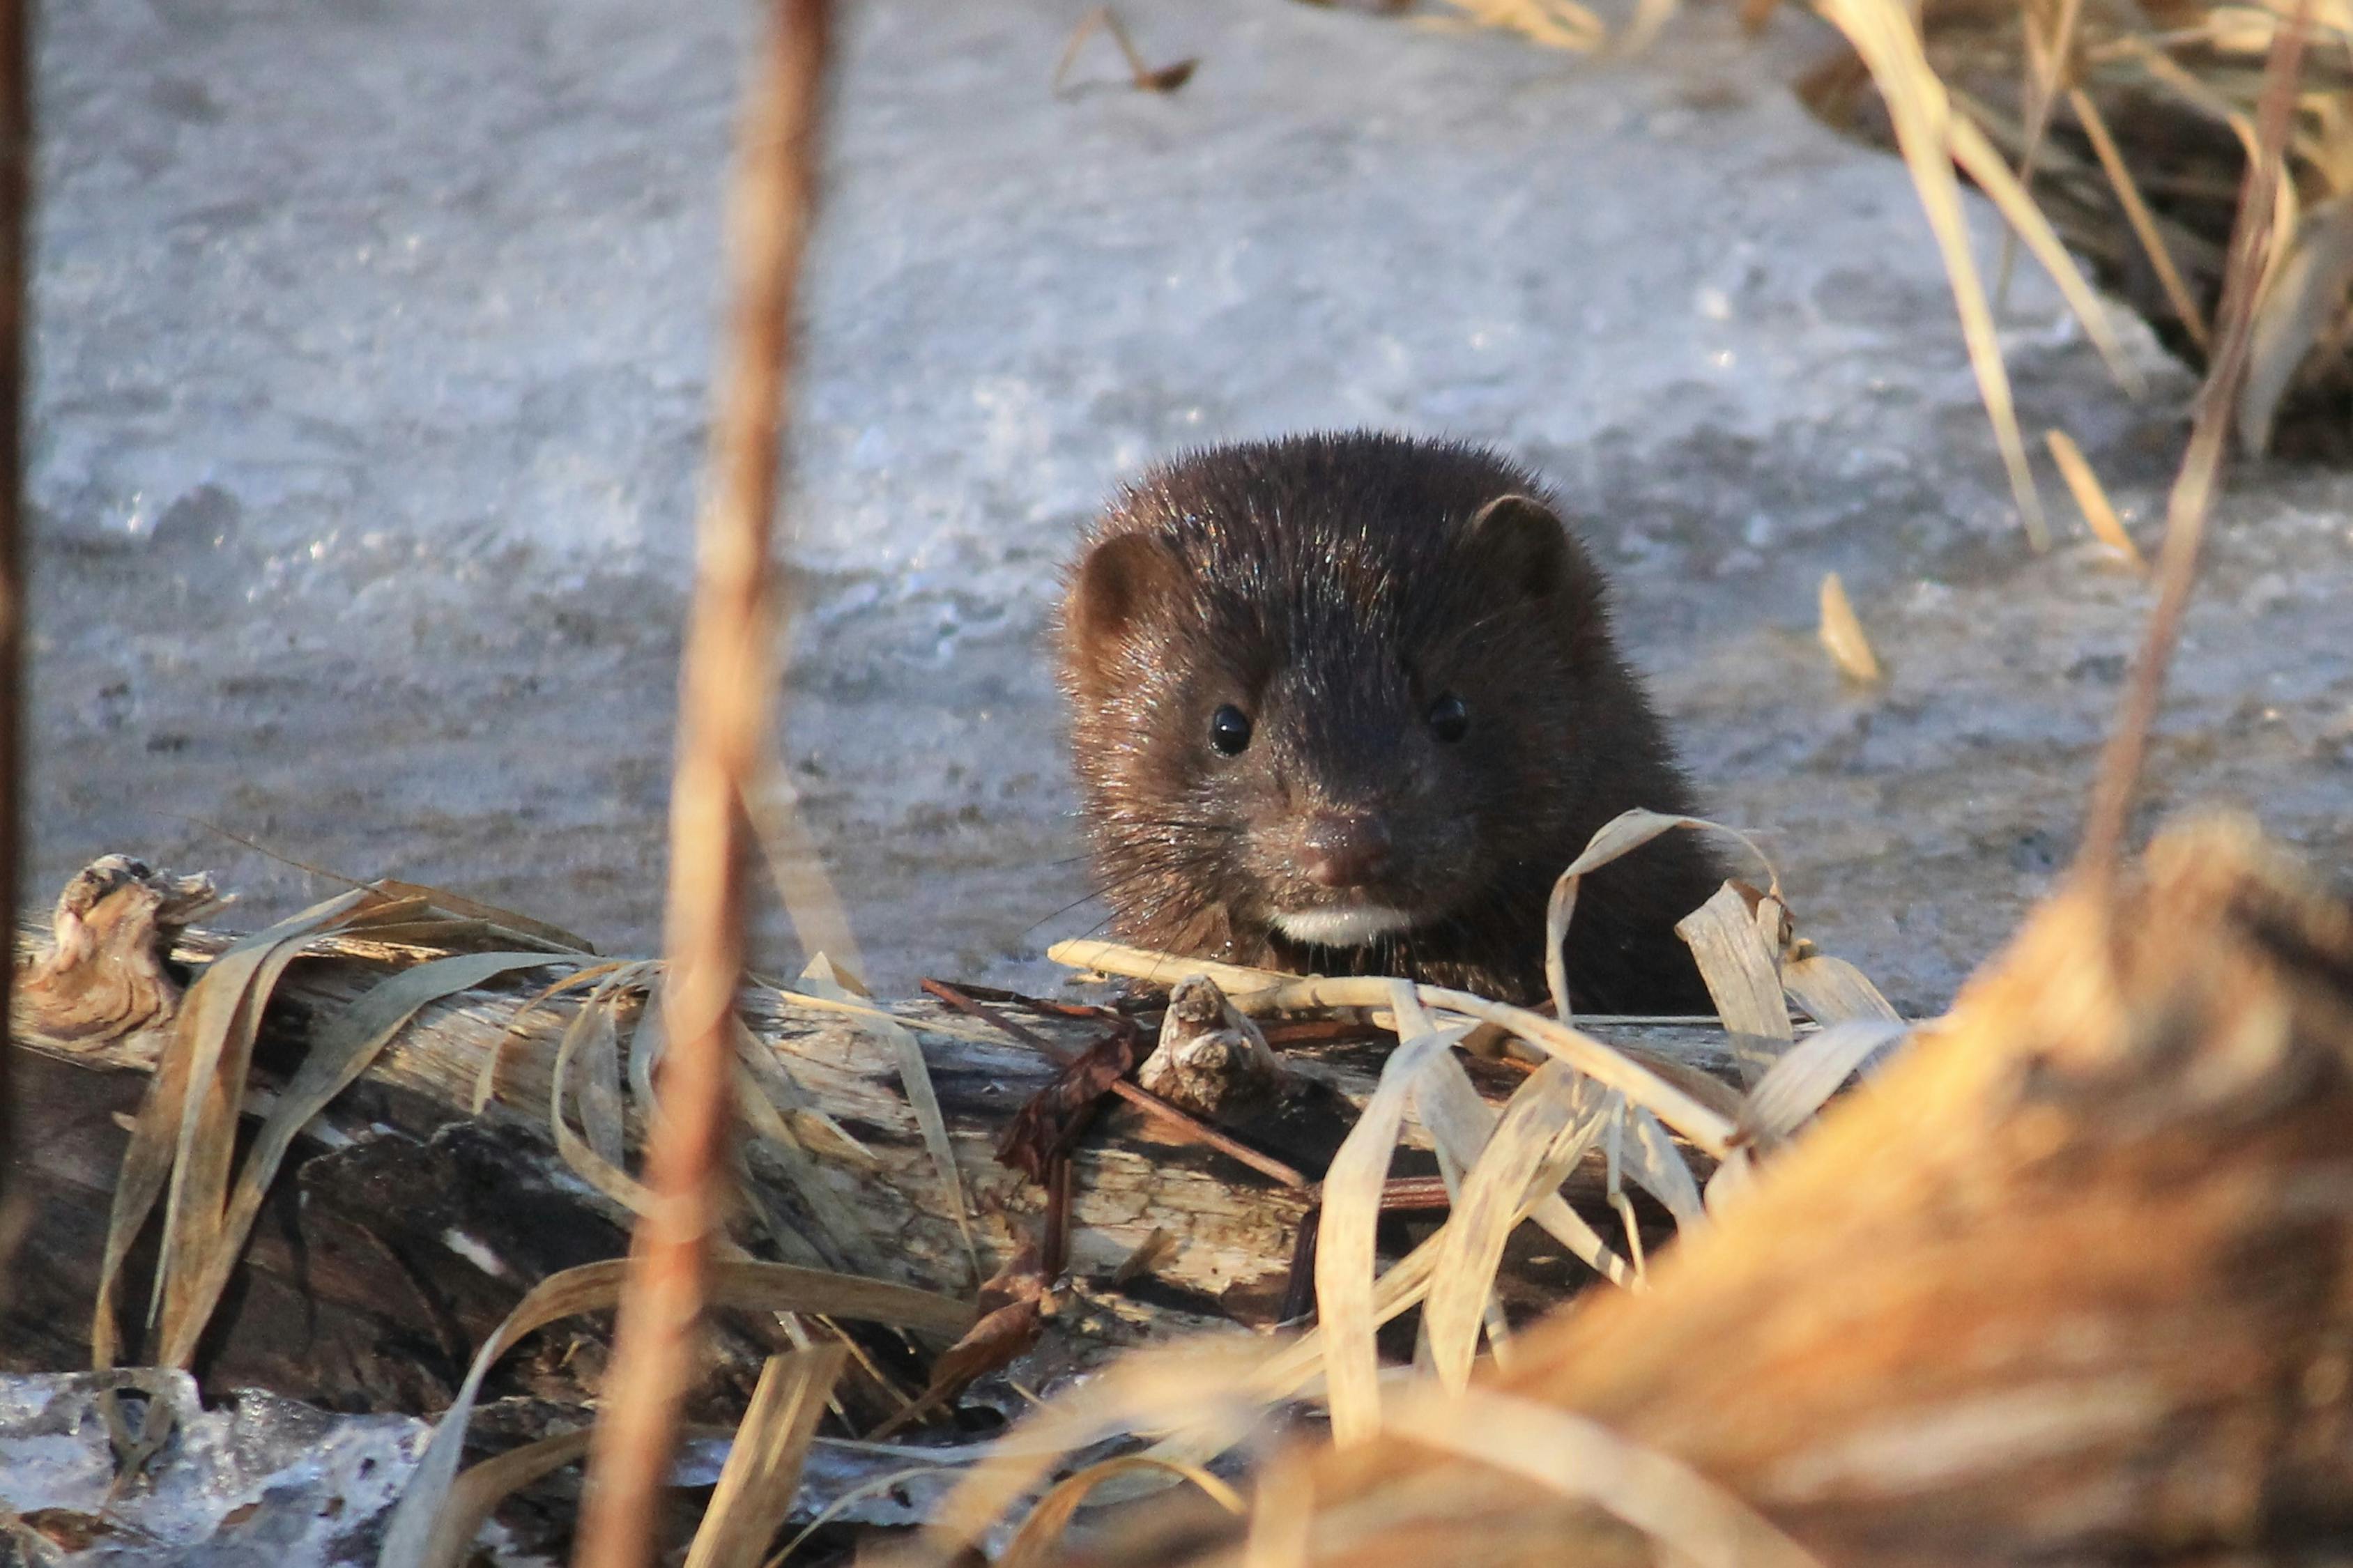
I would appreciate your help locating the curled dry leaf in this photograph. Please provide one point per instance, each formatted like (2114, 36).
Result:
(1057, 1114)
(1013, 1306)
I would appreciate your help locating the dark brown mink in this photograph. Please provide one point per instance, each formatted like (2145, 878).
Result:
(1348, 704)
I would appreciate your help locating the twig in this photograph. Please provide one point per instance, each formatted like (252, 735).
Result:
(1144, 1099)
(16, 189)
(1142, 77)
(2193, 488)
(723, 703)
(1037, 1004)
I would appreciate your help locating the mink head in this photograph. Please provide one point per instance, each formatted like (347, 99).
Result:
(1338, 692)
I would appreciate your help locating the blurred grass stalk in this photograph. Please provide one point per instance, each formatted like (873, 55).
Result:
(2253, 247)
(725, 687)
(16, 199)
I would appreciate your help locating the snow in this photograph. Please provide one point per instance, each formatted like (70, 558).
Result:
(374, 346)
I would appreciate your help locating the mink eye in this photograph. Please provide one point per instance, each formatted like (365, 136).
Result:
(1450, 719)
(1229, 730)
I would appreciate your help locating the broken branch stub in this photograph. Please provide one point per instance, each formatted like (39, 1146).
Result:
(1210, 1055)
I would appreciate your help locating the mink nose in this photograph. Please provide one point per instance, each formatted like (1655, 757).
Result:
(1345, 850)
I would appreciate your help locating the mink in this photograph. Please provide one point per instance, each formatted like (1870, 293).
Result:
(1348, 704)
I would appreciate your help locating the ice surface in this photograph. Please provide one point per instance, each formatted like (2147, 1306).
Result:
(262, 1482)
(374, 339)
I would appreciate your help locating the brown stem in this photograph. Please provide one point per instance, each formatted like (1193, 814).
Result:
(724, 697)
(1144, 1099)
(15, 191)
(2201, 464)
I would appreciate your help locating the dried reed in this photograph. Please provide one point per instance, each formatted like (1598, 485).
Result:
(723, 698)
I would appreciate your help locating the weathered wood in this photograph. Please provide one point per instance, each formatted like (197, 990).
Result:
(855, 1187)
(2070, 1284)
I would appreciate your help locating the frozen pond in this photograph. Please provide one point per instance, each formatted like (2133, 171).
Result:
(373, 343)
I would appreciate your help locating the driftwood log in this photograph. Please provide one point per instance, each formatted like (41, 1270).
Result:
(2073, 1282)
(408, 1224)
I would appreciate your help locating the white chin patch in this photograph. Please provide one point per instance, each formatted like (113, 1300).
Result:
(1351, 927)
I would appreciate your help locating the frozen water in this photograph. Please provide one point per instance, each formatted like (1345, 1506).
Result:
(374, 339)
(262, 1481)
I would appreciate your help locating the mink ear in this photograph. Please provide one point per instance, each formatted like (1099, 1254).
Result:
(1112, 589)
(1524, 541)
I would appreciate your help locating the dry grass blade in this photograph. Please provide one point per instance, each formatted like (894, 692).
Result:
(216, 1015)
(340, 1050)
(1207, 1389)
(1808, 1074)
(785, 1110)
(923, 1099)
(1650, 1157)
(763, 1471)
(2201, 464)
(1884, 35)
(1545, 1129)
(1621, 835)
(766, 1287)
(1555, 24)
(1040, 1533)
(1692, 1518)
(1843, 635)
(1979, 158)
(1162, 969)
(1832, 991)
(1461, 1124)
(2092, 499)
(875, 1013)
(594, 1159)
(504, 922)
(1742, 971)
(1344, 1241)
(818, 919)
(482, 1489)
(724, 695)
(485, 1080)
(2300, 301)
(2136, 212)
(2046, 65)
(219, 1045)
(1142, 77)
